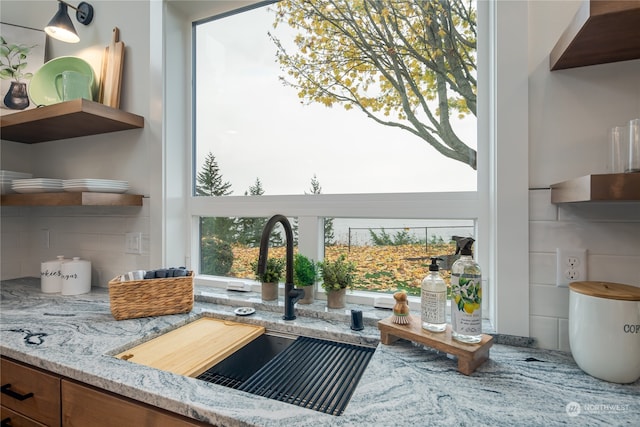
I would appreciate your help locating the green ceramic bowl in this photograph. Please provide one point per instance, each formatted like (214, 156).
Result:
(42, 87)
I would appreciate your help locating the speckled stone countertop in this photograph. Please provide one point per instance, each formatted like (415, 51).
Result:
(404, 384)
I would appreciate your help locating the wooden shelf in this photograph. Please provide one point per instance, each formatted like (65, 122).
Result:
(70, 119)
(72, 199)
(602, 31)
(605, 187)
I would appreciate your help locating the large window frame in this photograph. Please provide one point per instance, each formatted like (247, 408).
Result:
(500, 204)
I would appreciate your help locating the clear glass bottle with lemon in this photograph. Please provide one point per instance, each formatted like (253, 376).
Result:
(466, 294)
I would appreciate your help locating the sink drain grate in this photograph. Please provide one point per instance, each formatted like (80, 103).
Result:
(220, 379)
(312, 373)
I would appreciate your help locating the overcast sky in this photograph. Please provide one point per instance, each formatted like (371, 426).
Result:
(256, 127)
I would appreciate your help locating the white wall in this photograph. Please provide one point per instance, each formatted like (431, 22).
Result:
(570, 112)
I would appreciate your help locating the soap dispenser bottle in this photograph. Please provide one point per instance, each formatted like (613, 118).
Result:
(466, 294)
(434, 300)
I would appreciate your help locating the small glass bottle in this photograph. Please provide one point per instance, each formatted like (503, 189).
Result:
(434, 300)
(466, 295)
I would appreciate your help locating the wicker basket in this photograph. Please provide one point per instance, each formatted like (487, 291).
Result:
(151, 297)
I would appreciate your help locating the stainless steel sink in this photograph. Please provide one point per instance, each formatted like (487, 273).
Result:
(308, 372)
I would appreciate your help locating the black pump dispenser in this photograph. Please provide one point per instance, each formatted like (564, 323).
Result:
(434, 264)
(463, 245)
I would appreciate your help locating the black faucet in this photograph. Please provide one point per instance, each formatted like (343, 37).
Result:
(291, 295)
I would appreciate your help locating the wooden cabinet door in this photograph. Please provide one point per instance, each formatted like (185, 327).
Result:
(14, 419)
(30, 392)
(85, 406)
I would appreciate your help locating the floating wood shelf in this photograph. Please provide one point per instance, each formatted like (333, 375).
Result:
(72, 199)
(69, 119)
(605, 187)
(602, 31)
(470, 356)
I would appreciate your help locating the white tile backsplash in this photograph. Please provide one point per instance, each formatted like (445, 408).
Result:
(548, 300)
(544, 330)
(542, 268)
(611, 234)
(539, 207)
(96, 234)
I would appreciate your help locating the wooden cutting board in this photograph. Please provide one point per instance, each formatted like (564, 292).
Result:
(192, 349)
(111, 72)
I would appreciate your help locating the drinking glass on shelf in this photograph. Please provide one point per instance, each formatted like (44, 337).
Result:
(633, 163)
(618, 149)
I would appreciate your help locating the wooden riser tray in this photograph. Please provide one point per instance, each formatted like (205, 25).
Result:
(470, 356)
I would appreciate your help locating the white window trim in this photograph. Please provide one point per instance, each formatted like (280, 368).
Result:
(503, 168)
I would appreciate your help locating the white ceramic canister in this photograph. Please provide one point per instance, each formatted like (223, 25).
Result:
(604, 330)
(51, 275)
(76, 277)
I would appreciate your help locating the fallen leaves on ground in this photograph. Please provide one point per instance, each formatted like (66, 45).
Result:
(378, 268)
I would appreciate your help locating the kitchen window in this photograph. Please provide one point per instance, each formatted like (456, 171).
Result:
(500, 189)
(261, 128)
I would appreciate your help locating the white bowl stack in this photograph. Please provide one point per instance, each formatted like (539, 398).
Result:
(6, 180)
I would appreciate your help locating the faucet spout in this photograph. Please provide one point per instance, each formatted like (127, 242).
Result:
(291, 295)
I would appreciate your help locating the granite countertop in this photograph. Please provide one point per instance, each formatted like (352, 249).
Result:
(404, 384)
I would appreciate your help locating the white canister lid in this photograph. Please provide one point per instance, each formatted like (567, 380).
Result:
(607, 290)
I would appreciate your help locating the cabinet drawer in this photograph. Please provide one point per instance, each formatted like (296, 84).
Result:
(14, 419)
(30, 392)
(86, 406)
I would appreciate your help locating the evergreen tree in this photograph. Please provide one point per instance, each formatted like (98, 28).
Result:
(216, 233)
(209, 180)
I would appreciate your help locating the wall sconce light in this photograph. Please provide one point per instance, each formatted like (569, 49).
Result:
(60, 27)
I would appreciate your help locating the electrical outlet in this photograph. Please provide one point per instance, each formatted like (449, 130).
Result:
(133, 243)
(571, 266)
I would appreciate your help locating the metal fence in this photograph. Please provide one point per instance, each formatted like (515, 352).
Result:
(361, 236)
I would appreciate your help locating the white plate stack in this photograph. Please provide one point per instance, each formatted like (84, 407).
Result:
(37, 185)
(95, 185)
(7, 177)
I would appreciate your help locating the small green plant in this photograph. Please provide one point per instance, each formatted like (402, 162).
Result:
(305, 272)
(337, 274)
(13, 60)
(273, 272)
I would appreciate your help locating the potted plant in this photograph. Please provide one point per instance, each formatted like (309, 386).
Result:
(337, 276)
(13, 61)
(305, 275)
(270, 278)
